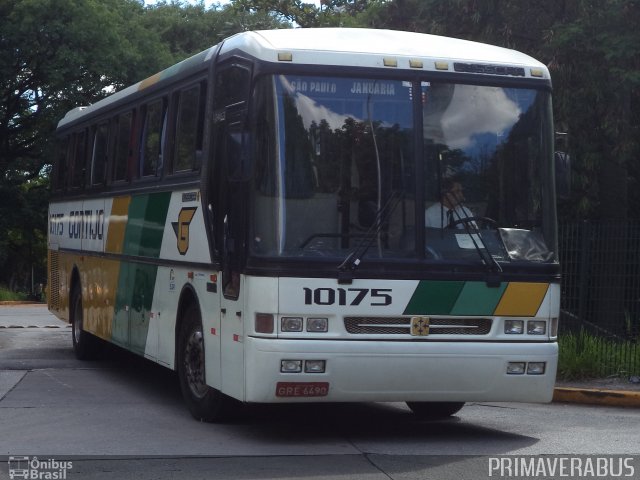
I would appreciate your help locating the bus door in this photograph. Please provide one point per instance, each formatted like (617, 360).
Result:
(231, 99)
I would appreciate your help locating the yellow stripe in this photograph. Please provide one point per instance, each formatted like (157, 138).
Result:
(147, 82)
(117, 224)
(100, 279)
(521, 299)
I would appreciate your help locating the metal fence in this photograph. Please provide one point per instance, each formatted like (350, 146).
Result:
(601, 289)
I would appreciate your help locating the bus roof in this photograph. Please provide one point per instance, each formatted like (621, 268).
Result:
(356, 47)
(366, 47)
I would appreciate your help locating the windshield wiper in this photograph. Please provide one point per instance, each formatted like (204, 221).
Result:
(493, 267)
(351, 262)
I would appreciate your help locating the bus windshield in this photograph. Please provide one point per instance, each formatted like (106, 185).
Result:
(343, 163)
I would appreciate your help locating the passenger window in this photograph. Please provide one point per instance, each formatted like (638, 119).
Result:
(100, 152)
(79, 161)
(59, 172)
(189, 128)
(152, 139)
(123, 136)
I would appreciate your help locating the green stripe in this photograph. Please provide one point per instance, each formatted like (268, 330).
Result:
(136, 282)
(477, 298)
(145, 228)
(454, 298)
(434, 298)
(133, 305)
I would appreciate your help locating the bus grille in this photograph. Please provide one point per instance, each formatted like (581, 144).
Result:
(54, 281)
(402, 326)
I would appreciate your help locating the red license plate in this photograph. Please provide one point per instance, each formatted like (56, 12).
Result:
(302, 389)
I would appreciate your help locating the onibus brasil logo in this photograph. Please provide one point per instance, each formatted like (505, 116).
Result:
(35, 469)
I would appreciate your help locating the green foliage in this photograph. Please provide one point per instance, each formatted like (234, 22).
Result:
(331, 13)
(55, 56)
(53, 59)
(583, 355)
(7, 295)
(186, 29)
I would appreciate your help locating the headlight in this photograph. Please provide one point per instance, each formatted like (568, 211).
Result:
(291, 324)
(515, 368)
(314, 366)
(291, 366)
(536, 327)
(536, 368)
(514, 327)
(317, 325)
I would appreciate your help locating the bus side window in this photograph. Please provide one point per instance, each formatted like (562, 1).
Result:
(59, 172)
(151, 143)
(189, 129)
(79, 161)
(100, 154)
(121, 157)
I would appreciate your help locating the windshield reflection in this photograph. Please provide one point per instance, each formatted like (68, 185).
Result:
(336, 171)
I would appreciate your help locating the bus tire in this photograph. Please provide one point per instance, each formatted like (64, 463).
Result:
(434, 410)
(204, 402)
(84, 344)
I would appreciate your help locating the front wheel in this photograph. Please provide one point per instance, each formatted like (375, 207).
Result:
(205, 403)
(434, 410)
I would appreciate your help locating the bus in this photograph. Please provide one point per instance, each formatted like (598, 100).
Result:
(256, 219)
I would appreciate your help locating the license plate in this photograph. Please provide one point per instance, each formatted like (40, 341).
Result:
(302, 389)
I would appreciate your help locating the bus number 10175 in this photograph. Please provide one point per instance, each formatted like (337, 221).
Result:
(376, 297)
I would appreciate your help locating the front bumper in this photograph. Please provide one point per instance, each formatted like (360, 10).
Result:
(391, 371)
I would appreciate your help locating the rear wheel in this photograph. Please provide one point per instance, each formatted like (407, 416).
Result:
(205, 403)
(434, 410)
(84, 344)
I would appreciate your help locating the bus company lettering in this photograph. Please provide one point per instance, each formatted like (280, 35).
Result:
(56, 224)
(86, 224)
(314, 87)
(373, 88)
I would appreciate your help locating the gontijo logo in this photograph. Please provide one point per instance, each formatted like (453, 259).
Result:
(34, 469)
(181, 228)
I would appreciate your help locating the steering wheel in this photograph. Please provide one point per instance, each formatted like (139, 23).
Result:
(485, 222)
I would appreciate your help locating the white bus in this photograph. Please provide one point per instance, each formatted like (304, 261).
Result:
(257, 218)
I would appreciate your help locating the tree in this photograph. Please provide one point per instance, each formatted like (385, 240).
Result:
(596, 62)
(330, 13)
(186, 29)
(53, 59)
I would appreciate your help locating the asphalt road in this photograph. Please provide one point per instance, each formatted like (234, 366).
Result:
(122, 417)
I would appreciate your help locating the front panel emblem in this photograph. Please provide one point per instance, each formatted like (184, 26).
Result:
(181, 228)
(419, 326)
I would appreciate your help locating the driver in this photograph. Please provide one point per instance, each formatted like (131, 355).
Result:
(449, 209)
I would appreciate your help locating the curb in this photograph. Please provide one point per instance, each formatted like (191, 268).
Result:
(612, 398)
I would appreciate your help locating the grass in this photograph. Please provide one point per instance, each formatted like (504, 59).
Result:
(8, 295)
(584, 355)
